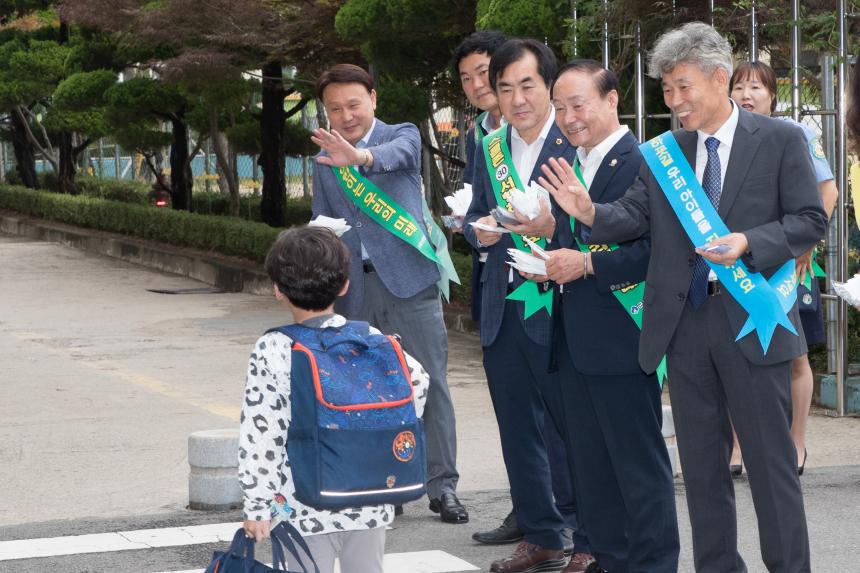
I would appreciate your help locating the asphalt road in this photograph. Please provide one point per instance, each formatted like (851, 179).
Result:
(102, 381)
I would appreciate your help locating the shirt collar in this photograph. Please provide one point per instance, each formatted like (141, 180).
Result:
(366, 139)
(726, 132)
(604, 147)
(550, 121)
(485, 124)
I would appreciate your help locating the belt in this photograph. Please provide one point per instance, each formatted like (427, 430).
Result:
(543, 287)
(714, 288)
(368, 266)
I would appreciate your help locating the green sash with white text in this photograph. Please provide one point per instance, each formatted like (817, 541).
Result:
(629, 297)
(388, 214)
(504, 178)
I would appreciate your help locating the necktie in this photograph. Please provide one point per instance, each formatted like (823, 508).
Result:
(711, 183)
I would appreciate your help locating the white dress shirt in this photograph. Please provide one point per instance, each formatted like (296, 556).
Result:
(726, 135)
(525, 155)
(589, 161)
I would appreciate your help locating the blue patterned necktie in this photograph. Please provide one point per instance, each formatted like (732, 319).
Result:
(711, 183)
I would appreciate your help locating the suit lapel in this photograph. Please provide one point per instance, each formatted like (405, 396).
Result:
(611, 165)
(378, 135)
(555, 145)
(687, 142)
(744, 146)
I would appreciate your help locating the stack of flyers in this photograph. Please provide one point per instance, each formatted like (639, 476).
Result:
(526, 262)
(452, 221)
(503, 216)
(339, 226)
(528, 202)
(459, 202)
(849, 291)
(489, 228)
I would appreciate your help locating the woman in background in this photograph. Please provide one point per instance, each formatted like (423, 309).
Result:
(753, 87)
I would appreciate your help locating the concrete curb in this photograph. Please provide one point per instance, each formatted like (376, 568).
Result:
(232, 275)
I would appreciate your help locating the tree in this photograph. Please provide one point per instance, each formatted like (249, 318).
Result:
(188, 38)
(409, 44)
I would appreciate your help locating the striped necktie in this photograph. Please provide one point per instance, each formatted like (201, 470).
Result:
(711, 183)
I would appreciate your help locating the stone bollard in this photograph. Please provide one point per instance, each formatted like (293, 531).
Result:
(213, 483)
(669, 435)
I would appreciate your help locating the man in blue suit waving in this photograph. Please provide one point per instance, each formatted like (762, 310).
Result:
(516, 341)
(369, 173)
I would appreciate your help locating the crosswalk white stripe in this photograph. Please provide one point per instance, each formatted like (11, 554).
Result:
(117, 541)
(410, 562)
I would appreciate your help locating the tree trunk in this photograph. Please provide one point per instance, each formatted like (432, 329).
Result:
(225, 166)
(434, 184)
(66, 176)
(181, 182)
(25, 159)
(274, 198)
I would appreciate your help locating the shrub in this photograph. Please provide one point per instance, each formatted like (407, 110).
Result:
(114, 190)
(225, 235)
(214, 203)
(462, 293)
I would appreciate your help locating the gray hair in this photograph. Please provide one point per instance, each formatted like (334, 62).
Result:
(693, 43)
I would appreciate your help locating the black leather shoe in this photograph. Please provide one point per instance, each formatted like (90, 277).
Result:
(507, 532)
(449, 508)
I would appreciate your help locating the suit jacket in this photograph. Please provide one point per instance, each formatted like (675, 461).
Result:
(494, 277)
(396, 170)
(769, 194)
(601, 337)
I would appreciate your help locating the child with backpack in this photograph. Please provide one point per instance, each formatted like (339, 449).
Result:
(330, 436)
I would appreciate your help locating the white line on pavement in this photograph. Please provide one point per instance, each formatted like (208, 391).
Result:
(117, 541)
(410, 562)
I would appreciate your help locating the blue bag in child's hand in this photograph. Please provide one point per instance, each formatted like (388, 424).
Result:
(354, 437)
(239, 557)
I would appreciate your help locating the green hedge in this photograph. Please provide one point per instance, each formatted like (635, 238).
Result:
(225, 235)
(298, 211)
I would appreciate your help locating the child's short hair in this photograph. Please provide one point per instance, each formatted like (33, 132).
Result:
(309, 265)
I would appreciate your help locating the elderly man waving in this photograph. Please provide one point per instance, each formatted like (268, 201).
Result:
(729, 201)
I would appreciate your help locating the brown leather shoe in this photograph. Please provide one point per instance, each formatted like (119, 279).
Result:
(580, 563)
(530, 558)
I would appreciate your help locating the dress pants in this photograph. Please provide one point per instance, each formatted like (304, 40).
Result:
(419, 323)
(516, 368)
(622, 470)
(709, 376)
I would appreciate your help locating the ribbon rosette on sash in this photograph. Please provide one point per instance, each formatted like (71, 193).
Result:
(504, 178)
(766, 301)
(388, 214)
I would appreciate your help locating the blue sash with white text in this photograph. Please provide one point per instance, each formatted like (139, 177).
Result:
(766, 301)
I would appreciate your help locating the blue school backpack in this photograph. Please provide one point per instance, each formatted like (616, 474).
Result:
(354, 438)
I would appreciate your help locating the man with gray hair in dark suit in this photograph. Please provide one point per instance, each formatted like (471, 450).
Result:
(369, 173)
(729, 201)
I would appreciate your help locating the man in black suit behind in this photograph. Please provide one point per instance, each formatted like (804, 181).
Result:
(758, 175)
